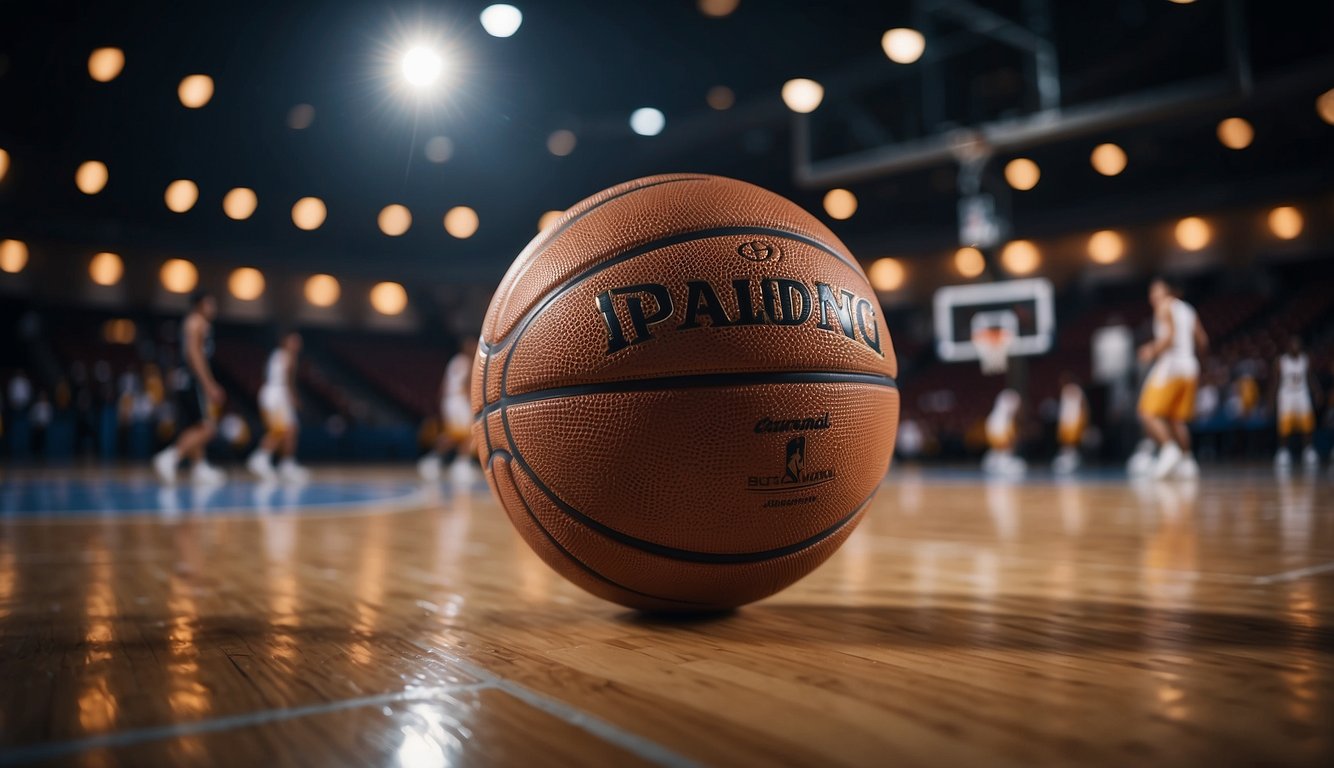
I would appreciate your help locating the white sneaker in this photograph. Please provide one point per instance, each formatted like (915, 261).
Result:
(1310, 458)
(1187, 469)
(1282, 459)
(428, 467)
(203, 473)
(1140, 464)
(164, 464)
(260, 465)
(1065, 463)
(1168, 458)
(460, 472)
(1014, 467)
(292, 472)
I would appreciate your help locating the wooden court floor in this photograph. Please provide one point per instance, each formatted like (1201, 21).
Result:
(965, 623)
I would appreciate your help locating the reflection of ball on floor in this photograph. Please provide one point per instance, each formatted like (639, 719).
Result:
(687, 393)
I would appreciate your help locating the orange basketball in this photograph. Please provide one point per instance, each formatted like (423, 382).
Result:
(685, 393)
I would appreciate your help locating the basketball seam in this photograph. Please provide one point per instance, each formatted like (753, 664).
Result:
(567, 553)
(689, 381)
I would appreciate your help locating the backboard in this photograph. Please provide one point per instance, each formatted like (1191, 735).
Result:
(1023, 308)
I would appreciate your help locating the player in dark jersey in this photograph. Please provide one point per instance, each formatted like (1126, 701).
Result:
(199, 397)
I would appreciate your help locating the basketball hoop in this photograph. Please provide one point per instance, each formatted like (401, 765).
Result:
(993, 348)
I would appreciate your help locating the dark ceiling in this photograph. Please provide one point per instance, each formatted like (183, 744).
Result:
(583, 65)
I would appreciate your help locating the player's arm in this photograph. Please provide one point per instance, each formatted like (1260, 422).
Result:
(1201, 338)
(1152, 349)
(194, 357)
(291, 381)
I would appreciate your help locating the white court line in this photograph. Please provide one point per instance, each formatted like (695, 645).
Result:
(54, 749)
(1293, 575)
(636, 745)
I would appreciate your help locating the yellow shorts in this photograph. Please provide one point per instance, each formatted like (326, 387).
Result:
(1171, 398)
(1299, 422)
(1070, 434)
(1001, 439)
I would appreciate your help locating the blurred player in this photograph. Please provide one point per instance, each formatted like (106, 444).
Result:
(1003, 435)
(1168, 400)
(1296, 416)
(277, 404)
(456, 413)
(199, 397)
(1072, 417)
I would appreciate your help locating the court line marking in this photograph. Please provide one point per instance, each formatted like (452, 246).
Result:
(54, 749)
(1294, 574)
(639, 746)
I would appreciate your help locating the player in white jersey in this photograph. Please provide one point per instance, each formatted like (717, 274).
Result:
(1167, 402)
(1071, 418)
(455, 415)
(1296, 416)
(277, 405)
(1002, 436)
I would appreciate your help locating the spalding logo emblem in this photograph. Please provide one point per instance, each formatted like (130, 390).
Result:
(759, 250)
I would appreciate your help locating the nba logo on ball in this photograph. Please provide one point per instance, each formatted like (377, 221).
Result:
(636, 384)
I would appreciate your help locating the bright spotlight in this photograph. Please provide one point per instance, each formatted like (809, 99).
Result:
(501, 20)
(802, 95)
(647, 121)
(886, 274)
(903, 45)
(422, 66)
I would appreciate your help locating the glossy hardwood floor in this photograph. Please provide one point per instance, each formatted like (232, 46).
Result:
(965, 623)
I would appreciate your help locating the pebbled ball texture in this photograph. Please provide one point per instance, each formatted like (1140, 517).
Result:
(685, 393)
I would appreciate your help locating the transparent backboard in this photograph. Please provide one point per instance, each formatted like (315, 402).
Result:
(1023, 308)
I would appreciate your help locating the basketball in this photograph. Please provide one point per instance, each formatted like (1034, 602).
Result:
(685, 394)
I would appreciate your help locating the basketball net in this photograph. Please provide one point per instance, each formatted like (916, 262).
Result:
(993, 349)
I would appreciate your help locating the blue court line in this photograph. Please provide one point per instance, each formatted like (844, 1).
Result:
(54, 749)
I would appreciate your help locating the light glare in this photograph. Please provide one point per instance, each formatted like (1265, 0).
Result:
(886, 275)
(840, 204)
(246, 283)
(422, 66)
(389, 298)
(308, 213)
(240, 203)
(91, 177)
(195, 91)
(179, 276)
(322, 290)
(1285, 222)
(802, 95)
(969, 262)
(106, 269)
(13, 256)
(647, 121)
(181, 195)
(395, 219)
(501, 21)
(1193, 233)
(1022, 173)
(903, 45)
(1106, 247)
(461, 222)
(1020, 257)
(1108, 159)
(105, 64)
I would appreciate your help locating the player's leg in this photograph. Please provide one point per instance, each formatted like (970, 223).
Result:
(1158, 413)
(288, 469)
(1286, 425)
(260, 462)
